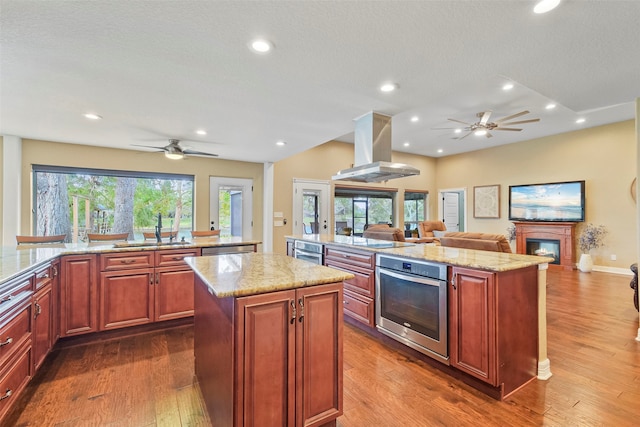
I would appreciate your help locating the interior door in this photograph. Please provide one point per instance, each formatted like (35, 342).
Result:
(451, 212)
(311, 207)
(231, 206)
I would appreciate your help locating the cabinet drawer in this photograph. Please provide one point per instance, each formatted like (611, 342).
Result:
(120, 261)
(360, 259)
(359, 308)
(15, 287)
(14, 333)
(14, 378)
(174, 256)
(43, 276)
(363, 282)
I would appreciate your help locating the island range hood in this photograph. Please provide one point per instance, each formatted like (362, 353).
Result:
(372, 160)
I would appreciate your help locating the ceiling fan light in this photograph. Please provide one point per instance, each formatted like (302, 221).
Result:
(173, 156)
(545, 6)
(480, 132)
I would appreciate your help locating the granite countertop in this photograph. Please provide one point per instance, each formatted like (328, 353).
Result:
(16, 259)
(257, 273)
(484, 260)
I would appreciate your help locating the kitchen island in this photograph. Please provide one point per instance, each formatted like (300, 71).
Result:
(268, 340)
(495, 306)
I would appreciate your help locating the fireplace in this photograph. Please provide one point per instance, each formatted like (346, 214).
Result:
(537, 236)
(544, 247)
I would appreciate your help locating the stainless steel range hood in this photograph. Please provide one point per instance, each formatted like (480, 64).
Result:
(372, 160)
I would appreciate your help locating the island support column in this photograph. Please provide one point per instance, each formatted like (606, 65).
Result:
(544, 365)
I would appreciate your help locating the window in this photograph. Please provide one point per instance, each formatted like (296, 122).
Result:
(414, 209)
(76, 201)
(356, 208)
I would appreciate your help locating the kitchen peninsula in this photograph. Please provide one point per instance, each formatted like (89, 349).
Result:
(268, 339)
(493, 306)
(66, 290)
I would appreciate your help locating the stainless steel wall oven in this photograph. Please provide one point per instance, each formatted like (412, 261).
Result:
(411, 304)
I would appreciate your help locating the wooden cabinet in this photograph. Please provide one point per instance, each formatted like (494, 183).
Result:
(270, 359)
(493, 320)
(55, 296)
(144, 287)
(78, 294)
(43, 311)
(359, 292)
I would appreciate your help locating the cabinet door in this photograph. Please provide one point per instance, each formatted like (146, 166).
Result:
(266, 359)
(472, 323)
(78, 295)
(127, 298)
(42, 324)
(173, 293)
(319, 354)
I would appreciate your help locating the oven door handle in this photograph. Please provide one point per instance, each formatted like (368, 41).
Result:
(411, 278)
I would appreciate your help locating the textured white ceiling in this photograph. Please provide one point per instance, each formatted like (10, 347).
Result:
(162, 69)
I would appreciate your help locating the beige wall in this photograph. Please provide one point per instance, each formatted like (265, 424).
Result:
(604, 156)
(321, 163)
(74, 155)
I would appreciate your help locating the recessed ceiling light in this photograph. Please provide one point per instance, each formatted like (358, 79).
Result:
(201, 132)
(415, 119)
(507, 86)
(92, 116)
(281, 143)
(406, 144)
(261, 46)
(388, 87)
(457, 131)
(440, 150)
(545, 6)
(480, 132)
(550, 106)
(581, 120)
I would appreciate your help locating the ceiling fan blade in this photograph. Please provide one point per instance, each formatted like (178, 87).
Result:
(199, 153)
(458, 121)
(513, 116)
(465, 135)
(444, 128)
(150, 146)
(485, 117)
(521, 122)
(499, 128)
(488, 135)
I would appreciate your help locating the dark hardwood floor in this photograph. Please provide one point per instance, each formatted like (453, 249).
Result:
(147, 380)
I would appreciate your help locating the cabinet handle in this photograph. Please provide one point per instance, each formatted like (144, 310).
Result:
(5, 299)
(294, 313)
(157, 278)
(7, 342)
(453, 282)
(345, 302)
(301, 302)
(151, 279)
(45, 276)
(55, 271)
(177, 258)
(7, 394)
(127, 261)
(38, 309)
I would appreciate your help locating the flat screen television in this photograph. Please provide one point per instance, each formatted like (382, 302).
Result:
(555, 201)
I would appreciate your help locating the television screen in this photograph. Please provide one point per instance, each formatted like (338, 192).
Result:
(556, 201)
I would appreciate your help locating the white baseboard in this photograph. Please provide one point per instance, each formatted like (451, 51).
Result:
(544, 369)
(613, 270)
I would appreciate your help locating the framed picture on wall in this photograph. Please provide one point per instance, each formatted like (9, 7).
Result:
(486, 201)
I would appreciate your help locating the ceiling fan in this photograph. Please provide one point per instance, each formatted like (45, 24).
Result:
(483, 126)
(175, 151)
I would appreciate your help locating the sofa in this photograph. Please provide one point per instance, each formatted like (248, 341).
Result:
(478, 241)
(383, 232)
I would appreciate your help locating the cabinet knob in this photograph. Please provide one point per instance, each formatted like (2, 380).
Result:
(7, 342)
(7, 394)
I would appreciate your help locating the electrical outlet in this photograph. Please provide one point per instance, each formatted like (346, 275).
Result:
(613, 257)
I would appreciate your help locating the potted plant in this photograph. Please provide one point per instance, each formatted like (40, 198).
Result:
(414, 233)
(591, 237)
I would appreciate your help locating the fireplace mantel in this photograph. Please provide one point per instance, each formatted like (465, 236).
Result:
(561, 231)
